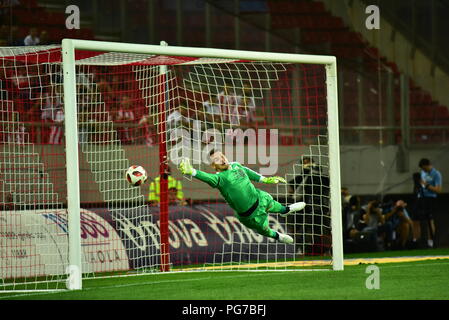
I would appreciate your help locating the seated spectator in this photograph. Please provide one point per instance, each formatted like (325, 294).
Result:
(43, 38)
(149, 130)
(247, 110)
(369, 227)
(3, 35)
(398, 221)
(86, 120)
(56, 131)
(15, 40)
(227, 101)
(17, 133)
(106, 91)
(179, 117)
(372, 217)
(52, 111)
(350, 207)
(212, 110)
(356, 240)
(125, 114)
(32, 39)
(51, 102)
(247, 106)
(22, 81)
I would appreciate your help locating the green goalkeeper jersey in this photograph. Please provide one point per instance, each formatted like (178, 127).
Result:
(234, 185)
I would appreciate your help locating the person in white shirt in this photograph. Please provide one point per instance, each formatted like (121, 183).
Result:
(212, 110)
(247, 105)
(32, 39)
(125, 114)
(56, 132)
(227, 101)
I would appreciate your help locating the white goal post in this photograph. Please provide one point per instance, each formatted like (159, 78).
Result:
(74, 117)
(68, 48)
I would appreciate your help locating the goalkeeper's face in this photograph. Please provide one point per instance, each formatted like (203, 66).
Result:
(218, 161)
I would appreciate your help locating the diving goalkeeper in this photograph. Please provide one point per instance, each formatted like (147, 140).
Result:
(250, 204)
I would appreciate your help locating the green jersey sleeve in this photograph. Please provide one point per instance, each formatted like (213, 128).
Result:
(252, 175)
(211, 179)
(234, 185)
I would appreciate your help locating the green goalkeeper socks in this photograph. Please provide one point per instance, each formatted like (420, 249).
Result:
(277, 208)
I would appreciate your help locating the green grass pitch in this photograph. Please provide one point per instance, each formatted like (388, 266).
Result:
(406, 280)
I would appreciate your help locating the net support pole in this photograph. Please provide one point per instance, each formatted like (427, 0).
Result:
(163, 164)
(74, 281)
(334, 165)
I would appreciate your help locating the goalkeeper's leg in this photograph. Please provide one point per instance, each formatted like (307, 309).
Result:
(258, 220)
(276, 207)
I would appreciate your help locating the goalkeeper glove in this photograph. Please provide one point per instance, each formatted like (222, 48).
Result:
(272, 180)
(185, 167)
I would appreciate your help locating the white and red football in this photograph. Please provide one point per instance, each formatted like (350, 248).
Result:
(136, 175)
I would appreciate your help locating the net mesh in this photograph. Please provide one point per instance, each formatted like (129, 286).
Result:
(152, 110)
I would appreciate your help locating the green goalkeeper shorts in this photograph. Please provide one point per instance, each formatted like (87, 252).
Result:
(258, 220)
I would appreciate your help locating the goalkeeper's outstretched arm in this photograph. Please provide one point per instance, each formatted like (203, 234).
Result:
(257, 177)
(211, 179)
(214, 180)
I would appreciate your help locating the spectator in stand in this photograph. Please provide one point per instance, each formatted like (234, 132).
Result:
(3, 35)
(21, 79)
(148, 130)
(179, 117)
(52, 101)
(212, 109)
(357, 240)
(106, 91)
(53, 112)
(15, 40)
(125, 115)
(56, 131)
(247, 106)
(16, 134)
(116, 84)
(32, 39)
(43, 38)
(227, 101)
(427, 185)
(86, 129)
(247, 111)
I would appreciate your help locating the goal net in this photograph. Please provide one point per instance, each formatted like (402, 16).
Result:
(74, 118)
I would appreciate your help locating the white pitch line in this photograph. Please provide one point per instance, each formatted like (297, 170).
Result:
(133, 285)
